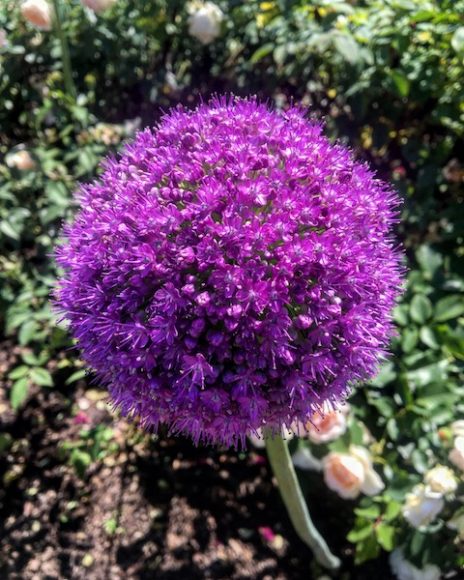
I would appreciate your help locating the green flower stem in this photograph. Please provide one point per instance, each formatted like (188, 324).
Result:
(294, 501)
(65, 58)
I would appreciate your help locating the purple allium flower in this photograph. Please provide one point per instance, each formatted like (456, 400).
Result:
(231, 270)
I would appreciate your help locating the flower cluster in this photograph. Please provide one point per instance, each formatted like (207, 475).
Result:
(426, 500)
(232, 270)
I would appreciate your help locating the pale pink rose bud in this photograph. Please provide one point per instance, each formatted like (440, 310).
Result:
(98, 5)
(38, 12)
(328, 425)
(3, 40)
(350, 474)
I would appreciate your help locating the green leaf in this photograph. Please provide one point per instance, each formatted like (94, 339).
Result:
(420, 309)
(41, 377)
(367, 549)
(429, 260)
(428, 337)
(5, 442)
(385, 376)
(384, 405)
(392, 429)
(400, 314)
(27, 332)
(76, 376)
(110, 526)
(356, 433)
(19, 392)
(262, 52)
(361, 533)
(449, 308)
(400, 82)
(9, 230)
(392, 511)
(347, 47)
(434, 373)
(385, 536)
(371, 513)
(80, 460)
(409, 339)
(18, 372)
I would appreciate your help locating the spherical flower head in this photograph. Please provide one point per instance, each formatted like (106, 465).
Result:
(232, 270)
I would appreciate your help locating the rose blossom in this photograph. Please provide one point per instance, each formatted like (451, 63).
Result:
(405, 570)
(21, 160)
(456, 455)
(422, 505)
(204, 21)
(327, 425)
(457, 523)
(38, 13)
(457, 428)
(441, 479)
(350, 474)
(98, 5)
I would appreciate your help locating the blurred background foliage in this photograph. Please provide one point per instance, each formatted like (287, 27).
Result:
(387, 77)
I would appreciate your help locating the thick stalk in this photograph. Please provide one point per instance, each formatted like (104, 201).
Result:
(65, 58)
(295, 503)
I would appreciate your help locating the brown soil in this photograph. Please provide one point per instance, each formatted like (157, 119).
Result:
(152, 508)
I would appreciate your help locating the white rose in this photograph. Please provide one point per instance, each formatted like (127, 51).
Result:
(98, 5)
(456, 455)
(204, 21)
(404, 570)
(422, 505)
(3, 41)
(38, 13)
(328, 425)
(457, 523)
(350, 474)
(21, 160)
(304, 459)
(457, 428)
(441, 479)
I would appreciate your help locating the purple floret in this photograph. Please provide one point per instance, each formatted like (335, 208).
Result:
(231, 270)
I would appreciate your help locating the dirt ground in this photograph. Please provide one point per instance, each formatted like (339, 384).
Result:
(147, 507)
